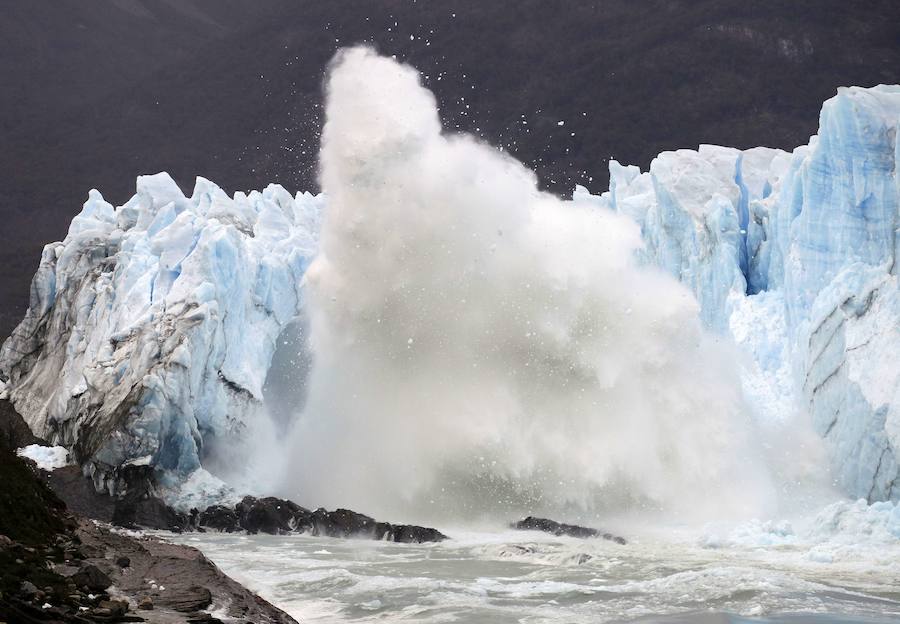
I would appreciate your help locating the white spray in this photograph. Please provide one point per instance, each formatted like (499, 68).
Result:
(479, 344)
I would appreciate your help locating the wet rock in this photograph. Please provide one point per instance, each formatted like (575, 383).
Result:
(203, 618)
(91, 577)
(412, 534)
(342, 523)
(277, 516)
(147, 511)
(219, 518)
(186, 599)
(271, 515)
(28, 589)
(115, 607)
(532, 523)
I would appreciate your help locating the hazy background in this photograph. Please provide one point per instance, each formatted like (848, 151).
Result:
(95, 93)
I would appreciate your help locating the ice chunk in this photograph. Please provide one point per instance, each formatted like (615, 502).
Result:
(46, 457)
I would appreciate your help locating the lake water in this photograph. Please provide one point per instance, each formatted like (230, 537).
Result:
(848, 571)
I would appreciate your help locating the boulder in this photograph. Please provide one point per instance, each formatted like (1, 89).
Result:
(532, 523)
(412, 534)
(219, 518)
(91, 577)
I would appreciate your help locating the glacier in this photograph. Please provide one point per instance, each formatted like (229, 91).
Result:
(152, 326)
(794, 256)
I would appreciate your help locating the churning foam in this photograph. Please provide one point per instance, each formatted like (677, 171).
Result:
(479, 344)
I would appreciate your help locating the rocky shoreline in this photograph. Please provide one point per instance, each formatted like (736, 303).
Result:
(67, 553)
(57, 566)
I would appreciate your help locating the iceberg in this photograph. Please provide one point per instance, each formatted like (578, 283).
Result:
(152, 326)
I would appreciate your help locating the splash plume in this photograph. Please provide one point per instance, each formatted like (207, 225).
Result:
(478, 343)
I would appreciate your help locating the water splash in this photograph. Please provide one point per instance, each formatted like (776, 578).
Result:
(481, 345)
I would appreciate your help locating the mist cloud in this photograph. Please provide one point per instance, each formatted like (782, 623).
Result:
(478, 343)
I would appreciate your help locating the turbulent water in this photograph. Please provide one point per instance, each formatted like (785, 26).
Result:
(480, 349)
(471, 333)
(757, 572)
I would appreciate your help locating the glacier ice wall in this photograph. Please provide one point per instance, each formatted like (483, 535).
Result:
(810, 239)
(152, 325)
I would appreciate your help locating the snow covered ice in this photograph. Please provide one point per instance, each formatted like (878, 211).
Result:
(152, 327)
(46, 457)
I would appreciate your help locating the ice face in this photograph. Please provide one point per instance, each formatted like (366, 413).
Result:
(795, 256)
(151, 327)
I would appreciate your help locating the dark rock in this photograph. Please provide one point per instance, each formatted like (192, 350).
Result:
(271, 515)
(147, 511)
(116, 607)
(145, 604)
(346, 523)
(14, 431)
(91, 577)
(277, 516)
(532, 523)
(28, 589)
(341, 523)
(411, 534)
(29, 512)
(79, 494)
(186, 599)
(203, 618)
(123, 562)
(220, 518)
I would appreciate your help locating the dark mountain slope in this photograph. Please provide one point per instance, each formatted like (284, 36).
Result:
(231, 90)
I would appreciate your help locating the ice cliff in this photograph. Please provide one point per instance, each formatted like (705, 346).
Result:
(151, 327)
(795, 256)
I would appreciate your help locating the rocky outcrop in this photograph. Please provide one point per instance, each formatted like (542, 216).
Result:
(58, 567)
(532, 523)
(277, 516)
(14, 431)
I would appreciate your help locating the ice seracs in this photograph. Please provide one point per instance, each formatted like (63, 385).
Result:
(152, 325)
(795, 256)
